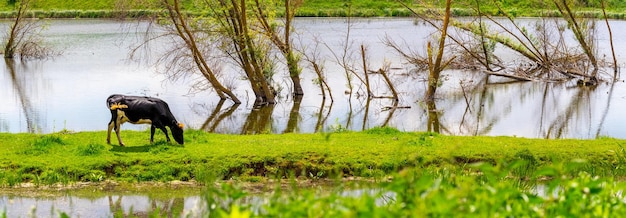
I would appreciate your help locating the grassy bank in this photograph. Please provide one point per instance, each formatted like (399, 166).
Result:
(310, 8)
(416, 174)
(84, 156)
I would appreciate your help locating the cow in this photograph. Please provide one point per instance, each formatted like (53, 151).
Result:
(142, 110)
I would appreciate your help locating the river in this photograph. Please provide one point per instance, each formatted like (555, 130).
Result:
(67, 91)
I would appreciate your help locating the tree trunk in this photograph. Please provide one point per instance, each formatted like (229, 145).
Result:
(247, 50)
(186, 34)
(16, 29)
(284, 45)
(436, 67)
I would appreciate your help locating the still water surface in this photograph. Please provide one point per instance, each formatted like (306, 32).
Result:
(137, 205)
(68, 91)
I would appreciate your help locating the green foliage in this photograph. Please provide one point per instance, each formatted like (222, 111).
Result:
(310, 8)
(382, 130)
(337, 127)
(90, 149)
(424, 139)
(482, 190)
(48, 140)
(42, 145)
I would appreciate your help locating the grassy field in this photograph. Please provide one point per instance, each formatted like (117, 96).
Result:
(310, 8)
(84, 156)
(396, 174)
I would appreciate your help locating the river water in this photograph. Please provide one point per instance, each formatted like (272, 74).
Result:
(68, 92)
(136, 205)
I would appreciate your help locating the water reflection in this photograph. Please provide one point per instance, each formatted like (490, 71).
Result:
(294, 115)
(124, 205)
(550, 110)
(259, 120)
(606, 110)
(217, 116)
(323, 114)
(433, 124)
(94, 64)
(21, 82)
(174, 207)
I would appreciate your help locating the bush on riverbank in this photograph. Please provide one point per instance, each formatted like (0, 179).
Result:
(69, 157)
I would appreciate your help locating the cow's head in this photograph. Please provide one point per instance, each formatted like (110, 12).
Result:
(177, 132)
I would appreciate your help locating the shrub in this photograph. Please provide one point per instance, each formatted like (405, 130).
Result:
(383, 131)
(90, 149)
(42, 145)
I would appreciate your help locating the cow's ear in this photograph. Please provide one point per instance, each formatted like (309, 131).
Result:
(181, 125)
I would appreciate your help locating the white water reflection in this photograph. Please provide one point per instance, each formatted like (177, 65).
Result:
(108, 206)
(68, 91)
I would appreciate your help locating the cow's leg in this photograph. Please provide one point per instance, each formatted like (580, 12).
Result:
(152, 129)
(166, 135)
(111, 124)
(162, 127)
(117, 128)
(117, 132)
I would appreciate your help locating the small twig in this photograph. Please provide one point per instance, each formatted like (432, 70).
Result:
(467, 101)
(386, 108)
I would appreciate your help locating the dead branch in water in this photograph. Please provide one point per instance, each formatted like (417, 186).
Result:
(545, 57)
(386, 108)
(383, 72)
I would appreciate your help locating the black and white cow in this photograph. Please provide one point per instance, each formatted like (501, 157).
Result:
(142, 110)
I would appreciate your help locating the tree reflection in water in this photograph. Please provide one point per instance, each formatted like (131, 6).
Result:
(173, 207)
(217, 116)
(20, 83)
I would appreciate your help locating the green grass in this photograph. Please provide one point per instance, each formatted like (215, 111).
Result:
(84, 156)
(399, 174)
(310, 8)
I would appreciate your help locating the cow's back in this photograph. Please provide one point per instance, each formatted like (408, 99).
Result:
(140, 107)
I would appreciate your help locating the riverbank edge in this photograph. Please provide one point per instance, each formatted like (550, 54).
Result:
(386, 12)
(177, 187)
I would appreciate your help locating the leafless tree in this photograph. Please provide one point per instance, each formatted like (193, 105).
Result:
(312, 55)
(229, 33)
(615, 71)
(436, 65)
(189, 53)
(235, 29)
(284, 43)
(23, 38)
